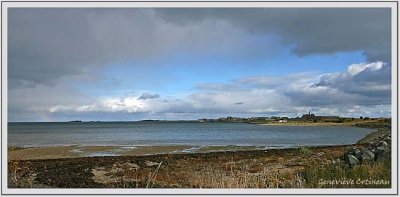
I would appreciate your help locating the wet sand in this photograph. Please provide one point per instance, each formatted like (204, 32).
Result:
(168, 166)
(58, 152)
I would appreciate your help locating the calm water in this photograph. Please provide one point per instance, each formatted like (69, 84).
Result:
(159, 133)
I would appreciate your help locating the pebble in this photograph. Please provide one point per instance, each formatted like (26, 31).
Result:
(151, 163)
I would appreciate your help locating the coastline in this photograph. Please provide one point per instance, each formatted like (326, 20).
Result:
(80, 151)
(199, 170)
(211, 167)
(304, 124)
(73, 151)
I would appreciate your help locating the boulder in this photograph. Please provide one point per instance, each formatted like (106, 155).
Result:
(371, 144)
(383, 143)
(352, 160)
(357, 153)
(367, 155)
(381, 149)
(388, 140)
(381, 155)
(352, 151)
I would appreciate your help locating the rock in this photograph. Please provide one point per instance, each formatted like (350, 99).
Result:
(388, 140)
(352, 160)
(358, 156)
(381, 149)
(379, 156)
(151, 163)
(336, 161)
(357, 153)
(383, 143)
(367, 155)
(131, 165)
(351, 151)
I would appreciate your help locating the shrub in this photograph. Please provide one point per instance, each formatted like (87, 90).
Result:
(305, 150)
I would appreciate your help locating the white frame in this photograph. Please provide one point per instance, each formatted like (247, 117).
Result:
(392, 4)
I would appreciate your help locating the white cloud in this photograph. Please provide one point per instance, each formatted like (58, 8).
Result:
(355, 69)
(365, 92)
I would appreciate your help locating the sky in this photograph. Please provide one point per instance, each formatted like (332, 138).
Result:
(125, 64)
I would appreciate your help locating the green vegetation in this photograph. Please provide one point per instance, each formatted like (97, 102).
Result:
(221, 167)
(371, 175)
(305, 150)
(13, 148)
(306, 119)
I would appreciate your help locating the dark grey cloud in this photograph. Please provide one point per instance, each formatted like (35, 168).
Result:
(46, 44)
(148, 96)
(347, 93)
(362, 86)
(371, 86)
(50, 51)
(310, 30)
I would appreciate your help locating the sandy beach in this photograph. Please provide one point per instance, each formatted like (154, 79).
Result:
(194, 167)
(58, 152)
(180, 170)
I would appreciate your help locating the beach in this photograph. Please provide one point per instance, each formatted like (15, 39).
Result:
(198, 167)
(216, 169)
(57, 152)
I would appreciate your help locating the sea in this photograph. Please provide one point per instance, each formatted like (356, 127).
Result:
(155, 133)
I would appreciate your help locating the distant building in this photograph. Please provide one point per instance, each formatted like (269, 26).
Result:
(309, 116)
(282, 121)
(329, 117)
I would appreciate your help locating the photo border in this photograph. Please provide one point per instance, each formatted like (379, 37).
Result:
(111, 191)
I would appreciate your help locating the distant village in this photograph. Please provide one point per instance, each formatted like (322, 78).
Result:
(309, 117)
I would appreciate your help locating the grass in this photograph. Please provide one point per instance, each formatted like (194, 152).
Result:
(14, 148)
(20, 175)
(211, 177)
(305, 150)
(371, 175)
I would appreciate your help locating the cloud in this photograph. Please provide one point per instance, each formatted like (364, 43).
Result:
(148, 96)
(48, 44)
(53, 54)
(310, 30)
(368, 83)
(348, 93)
(355, 69)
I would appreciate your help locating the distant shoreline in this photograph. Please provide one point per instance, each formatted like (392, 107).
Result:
(74, 151)
(304, 124)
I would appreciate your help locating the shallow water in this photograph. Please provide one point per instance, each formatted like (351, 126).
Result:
(178, 133)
